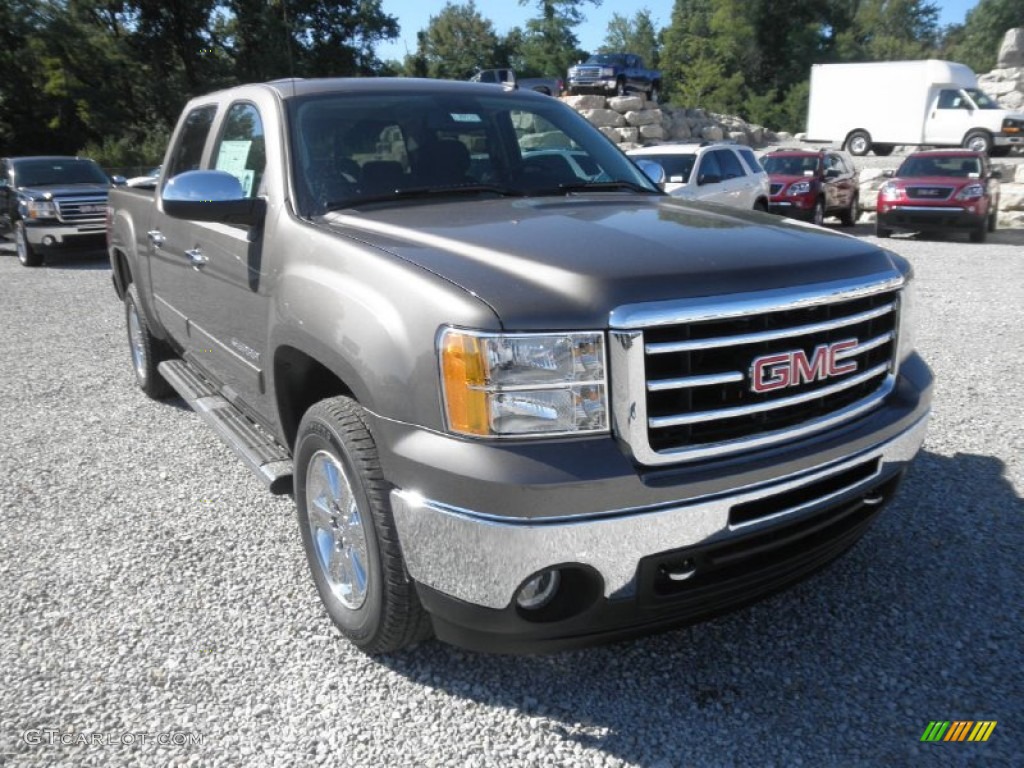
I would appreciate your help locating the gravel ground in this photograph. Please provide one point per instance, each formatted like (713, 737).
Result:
(155, 608)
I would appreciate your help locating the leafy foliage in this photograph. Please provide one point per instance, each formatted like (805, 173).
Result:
(636, 35)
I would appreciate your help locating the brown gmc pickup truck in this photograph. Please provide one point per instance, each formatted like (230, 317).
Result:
(523, 400)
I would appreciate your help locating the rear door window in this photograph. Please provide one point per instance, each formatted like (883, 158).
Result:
(730, 164)
(188, 152)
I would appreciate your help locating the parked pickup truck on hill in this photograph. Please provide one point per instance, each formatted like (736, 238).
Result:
(52, 203)
(549, 86)
(614, 74)
(520, 406)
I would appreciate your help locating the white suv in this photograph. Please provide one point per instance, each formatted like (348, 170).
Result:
(728, 174)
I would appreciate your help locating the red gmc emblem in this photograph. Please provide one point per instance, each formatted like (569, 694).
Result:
(791, 369)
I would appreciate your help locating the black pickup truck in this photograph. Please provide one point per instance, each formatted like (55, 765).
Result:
(53, 203)
(614, 74)
(522, 405)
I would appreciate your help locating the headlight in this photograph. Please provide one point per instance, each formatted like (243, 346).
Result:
(799, 188)
(501, 385)
(971, 192)
(40, 209)
(908, 306)
(890, 191)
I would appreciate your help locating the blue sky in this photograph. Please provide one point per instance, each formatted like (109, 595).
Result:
(414, 15)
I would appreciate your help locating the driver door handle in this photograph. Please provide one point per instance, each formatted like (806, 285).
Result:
(156, 237)
(196, 257)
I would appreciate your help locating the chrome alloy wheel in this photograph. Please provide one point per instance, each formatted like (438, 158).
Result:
(137, 342)
(336, 529)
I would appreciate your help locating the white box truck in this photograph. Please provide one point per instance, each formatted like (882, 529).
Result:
(879, 105)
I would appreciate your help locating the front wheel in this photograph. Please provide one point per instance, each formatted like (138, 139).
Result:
(147, 351)
(993, 220)
(849, 217)
(858, 143)
(979, 233)
(27, 255)
(978, 141)
(348, 531)
(654, 94)
(620, 88)
(881, 231)
(883, 150)
(818, 215)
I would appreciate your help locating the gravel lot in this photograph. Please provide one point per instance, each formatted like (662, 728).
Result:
(153, 594)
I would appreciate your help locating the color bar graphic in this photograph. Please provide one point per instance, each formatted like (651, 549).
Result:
(958, 730)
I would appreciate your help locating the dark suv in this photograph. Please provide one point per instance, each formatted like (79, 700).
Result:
(53, 203)
(812, 184)
(940, 190)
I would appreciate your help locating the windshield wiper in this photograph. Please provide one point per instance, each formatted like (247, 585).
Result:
(420, 193)
(599, 186)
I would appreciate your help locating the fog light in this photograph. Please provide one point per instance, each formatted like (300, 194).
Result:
(538, 591)
(48, 240)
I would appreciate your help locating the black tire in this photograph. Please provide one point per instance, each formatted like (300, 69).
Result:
(993, 220)
(147, 351)
(761, 205)
(883, 150)
(849, 216)
(881, 231)
(978, 141)
(654, 94)
(858, 143)
(620, 88)
(333, 438)
(27, 255)
(1000, 151)
(818, 214)
(979, 233)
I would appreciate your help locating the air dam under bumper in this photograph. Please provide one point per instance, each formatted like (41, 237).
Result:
(83, 236)
(638, 569)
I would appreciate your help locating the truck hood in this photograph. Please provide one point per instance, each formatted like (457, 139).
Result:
(50, 191)
(561, 263)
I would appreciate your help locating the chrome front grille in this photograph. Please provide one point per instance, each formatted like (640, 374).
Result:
(82, 210)
(929, 193)
(718, 376)
(587, 74)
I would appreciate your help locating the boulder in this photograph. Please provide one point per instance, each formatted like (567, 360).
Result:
(604, 117)
(1011, 197)
(653, 131)
(580, 103)
(740, 137)
(1011, 52)
(1019, 174)
(712, 133)
(630, 134)
(611, 133)
(548, 140)
(644, 117)
(680, 131)
(624, 104)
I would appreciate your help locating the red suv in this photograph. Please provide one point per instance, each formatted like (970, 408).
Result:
(941, 190)
(812, 184)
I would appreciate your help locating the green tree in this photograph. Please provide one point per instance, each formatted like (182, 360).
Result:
(636, 35)
(890, 30)
(458, 42)
(549, 46)
(977, 42)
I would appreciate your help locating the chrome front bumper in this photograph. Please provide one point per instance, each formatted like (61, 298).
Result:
(59, 234)
(483, 559)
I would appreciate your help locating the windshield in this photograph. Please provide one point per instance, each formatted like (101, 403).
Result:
(791, 165)
(606, 58)
(953, 166)
(351, 149)
(58, 170)
(982, 99)
(677, 167)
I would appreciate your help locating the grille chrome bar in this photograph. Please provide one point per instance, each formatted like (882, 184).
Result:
(659, 422)
(753, 338)
(660, 385)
